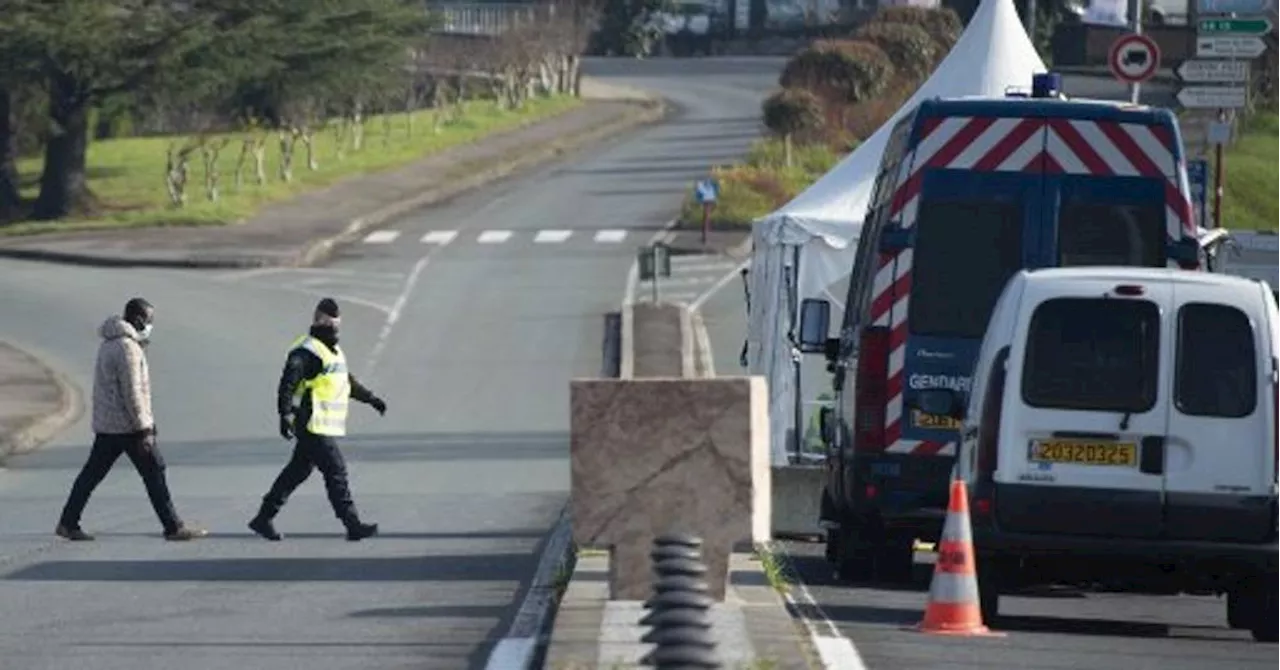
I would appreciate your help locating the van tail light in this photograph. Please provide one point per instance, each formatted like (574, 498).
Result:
(988, 432)
(871, 390)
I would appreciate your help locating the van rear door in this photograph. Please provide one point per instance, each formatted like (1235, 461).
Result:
(1085, 415)
(972, 234)
(1107, 220)
(1219, 464)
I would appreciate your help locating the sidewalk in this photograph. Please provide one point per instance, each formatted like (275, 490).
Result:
(36, 402)
(307, 229)
(752, 627)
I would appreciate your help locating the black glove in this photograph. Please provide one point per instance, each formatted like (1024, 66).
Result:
(286, 427)
(378, 404)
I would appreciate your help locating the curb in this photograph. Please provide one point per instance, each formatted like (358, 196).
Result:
(320, 250)
(44, 427)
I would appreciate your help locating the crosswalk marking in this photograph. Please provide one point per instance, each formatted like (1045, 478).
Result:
(611, 235)
(494, 236)
(552, 236)
(440, 237)
(382, 237)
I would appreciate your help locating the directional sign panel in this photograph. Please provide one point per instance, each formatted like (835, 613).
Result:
(1234, 6)
(1251, 26)
(1212, 97)
(1133, 58)
(1228, 46)
(1213, 71)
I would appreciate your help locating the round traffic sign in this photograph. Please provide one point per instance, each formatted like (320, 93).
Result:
(1133, 58)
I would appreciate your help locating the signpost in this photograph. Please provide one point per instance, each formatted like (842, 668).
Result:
(706, 191)
(1213, 97)
(652, 262)
(1230, 46)
(1223, 26)
(1198, 180)
(1133, 58)
(1213, 71)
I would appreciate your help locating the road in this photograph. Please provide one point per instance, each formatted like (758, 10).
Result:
(1055, 631)
(472, 343)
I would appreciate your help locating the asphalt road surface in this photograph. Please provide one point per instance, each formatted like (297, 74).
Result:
(1057, 630)
(471, 342)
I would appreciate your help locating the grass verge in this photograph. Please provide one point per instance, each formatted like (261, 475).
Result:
(1250, 175)
(760, 184)
(128, 175)
(777, 569)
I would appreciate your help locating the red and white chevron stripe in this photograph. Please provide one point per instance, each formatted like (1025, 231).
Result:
(993, 144)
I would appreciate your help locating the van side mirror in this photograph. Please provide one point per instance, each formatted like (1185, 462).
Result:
(815, 321)
(941, 402)
(1184, 251)
(826, 425)
(894, 239)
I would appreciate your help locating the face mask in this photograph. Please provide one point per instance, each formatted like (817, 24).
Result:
(145, 333)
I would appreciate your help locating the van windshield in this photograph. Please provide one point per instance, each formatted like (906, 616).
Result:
(1092, 233)
(1092, 354)
(965, 252)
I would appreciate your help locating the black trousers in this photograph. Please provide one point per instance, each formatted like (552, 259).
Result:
(149, 463)
(321, 453)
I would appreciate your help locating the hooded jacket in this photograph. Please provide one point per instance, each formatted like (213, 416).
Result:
(121, 382)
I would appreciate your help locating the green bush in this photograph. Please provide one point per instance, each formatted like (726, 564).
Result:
(841, 71)
(909, 47)
(943, 24)
(762, 184)
(795, 113)
(811, 159)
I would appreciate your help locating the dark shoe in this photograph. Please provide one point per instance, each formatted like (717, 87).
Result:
(184, 533)
(264, 528)
(73, 534)
(358, 531)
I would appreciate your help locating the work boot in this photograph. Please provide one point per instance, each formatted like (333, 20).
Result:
(357, 530)
(264, 528)
(73, 534)
(184, 533)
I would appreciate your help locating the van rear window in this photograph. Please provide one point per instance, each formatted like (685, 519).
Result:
(1091, 233)
(1092, 354)
(965, 252)
(1217, 363)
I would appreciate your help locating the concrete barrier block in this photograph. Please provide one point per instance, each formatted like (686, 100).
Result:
(797, 496)
(655, 455)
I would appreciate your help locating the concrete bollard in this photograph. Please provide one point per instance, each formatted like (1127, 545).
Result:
(680, 628)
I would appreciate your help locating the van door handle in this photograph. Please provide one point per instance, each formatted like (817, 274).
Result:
(1151, 457)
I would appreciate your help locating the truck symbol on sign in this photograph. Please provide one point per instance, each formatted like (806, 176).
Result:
(1135, 57)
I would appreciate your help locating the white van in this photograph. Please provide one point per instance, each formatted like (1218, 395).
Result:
(1121, 432)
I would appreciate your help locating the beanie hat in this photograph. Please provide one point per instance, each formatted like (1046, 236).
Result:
(326, 313)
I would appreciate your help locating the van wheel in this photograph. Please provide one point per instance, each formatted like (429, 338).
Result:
(853, 562)
(895, 560)
(1263, 621)
(1236, 602)
(988, 590)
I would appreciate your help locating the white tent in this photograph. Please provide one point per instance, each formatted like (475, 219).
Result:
(810, 241)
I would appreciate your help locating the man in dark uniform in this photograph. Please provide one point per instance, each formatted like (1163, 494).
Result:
(312, 402)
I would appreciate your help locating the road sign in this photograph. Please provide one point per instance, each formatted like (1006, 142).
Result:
(1212, 97)
(1259, 26)
(1234, 6)
(1229, 46)
(706, 191)
(1198, 180)
(1133, 58)
(1213, 71)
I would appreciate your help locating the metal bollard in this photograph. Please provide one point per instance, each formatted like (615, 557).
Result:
(679, 627)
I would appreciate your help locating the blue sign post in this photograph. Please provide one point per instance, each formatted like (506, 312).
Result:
(706, 192)
(1198, 181)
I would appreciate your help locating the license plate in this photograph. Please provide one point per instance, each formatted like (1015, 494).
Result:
(934, 421)
(1080, 452)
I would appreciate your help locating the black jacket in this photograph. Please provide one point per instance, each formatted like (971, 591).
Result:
(302, 365)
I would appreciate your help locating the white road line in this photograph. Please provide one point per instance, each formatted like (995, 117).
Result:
(515, 650)
(381, 237)
(394, 315)
(835, 650)
(494, 236)
(440, 237)
(552, 236)
(728, 277)
(610, 236)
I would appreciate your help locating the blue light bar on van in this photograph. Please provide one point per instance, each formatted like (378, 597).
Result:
(1046, 85)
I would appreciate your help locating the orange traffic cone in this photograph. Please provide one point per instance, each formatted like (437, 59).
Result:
(953, 607)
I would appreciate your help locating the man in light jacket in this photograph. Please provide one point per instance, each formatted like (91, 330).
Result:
(123, 424)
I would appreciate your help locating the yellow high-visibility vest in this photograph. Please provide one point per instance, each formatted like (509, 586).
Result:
(330, 390)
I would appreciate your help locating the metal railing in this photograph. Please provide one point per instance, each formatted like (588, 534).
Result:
(485, 18)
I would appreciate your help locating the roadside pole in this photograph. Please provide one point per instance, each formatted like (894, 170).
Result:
(1135, 22)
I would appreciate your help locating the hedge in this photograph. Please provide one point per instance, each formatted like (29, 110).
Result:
(795, 113)
(913, 52)
(943, 24)
(843, 71)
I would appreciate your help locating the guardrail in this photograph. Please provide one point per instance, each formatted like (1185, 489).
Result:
(485, 18)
